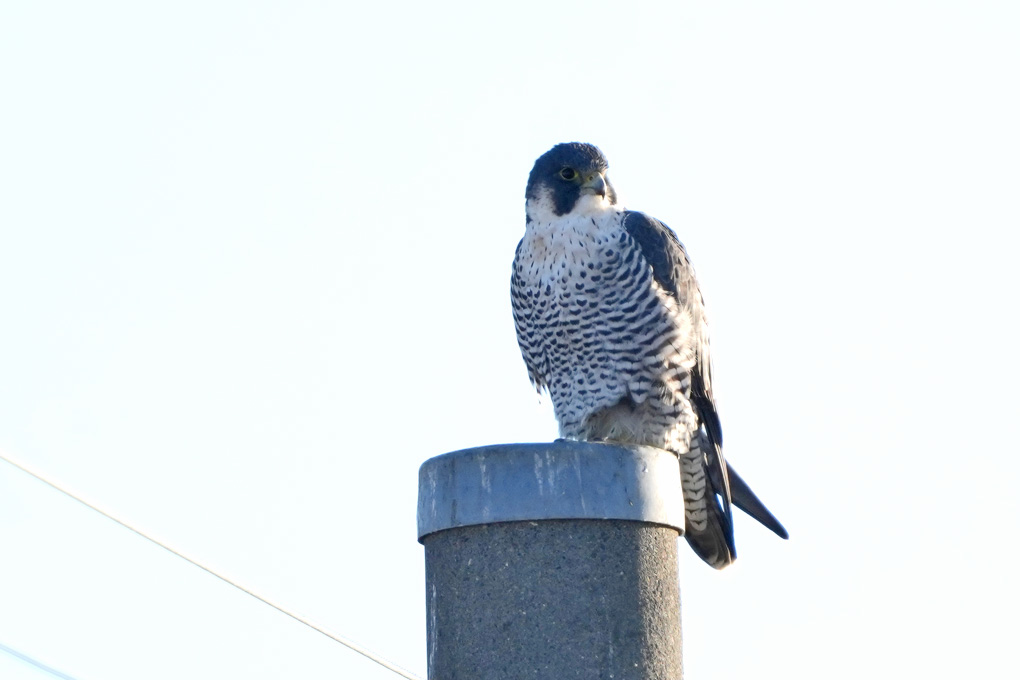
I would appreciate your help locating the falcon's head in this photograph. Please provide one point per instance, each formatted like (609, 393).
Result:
(569, 179)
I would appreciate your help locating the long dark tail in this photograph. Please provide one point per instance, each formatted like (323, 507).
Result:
(710, 484)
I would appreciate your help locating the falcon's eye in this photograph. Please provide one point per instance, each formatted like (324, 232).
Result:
(568, 173)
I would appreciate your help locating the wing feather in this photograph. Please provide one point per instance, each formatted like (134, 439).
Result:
(673, 271)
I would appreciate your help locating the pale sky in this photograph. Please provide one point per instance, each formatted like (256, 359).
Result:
(254, 269)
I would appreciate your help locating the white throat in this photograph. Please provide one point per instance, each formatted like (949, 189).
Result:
(542, 209)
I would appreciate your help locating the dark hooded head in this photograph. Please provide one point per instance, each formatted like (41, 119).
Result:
(566, 173)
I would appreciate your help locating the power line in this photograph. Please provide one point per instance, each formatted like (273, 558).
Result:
(300, 619)
(32, 662)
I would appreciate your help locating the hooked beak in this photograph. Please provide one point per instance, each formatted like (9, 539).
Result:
(594, 184)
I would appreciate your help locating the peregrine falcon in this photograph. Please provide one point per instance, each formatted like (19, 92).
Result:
(611, 322)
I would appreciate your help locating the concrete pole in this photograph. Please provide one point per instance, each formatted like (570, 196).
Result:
(552, 561)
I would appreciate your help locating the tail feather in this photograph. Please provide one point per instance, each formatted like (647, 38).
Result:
(709, 518)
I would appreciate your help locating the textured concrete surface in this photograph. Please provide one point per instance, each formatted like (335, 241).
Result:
(553, 599)
(552, 561)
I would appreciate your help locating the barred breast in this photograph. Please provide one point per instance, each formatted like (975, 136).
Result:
(613, 349)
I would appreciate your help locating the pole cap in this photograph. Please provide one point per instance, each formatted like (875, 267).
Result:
(559, 480)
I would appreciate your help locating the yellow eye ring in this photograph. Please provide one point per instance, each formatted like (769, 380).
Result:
(568, 174)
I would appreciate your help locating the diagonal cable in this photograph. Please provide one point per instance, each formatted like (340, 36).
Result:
(300, 619)
(32, 662)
